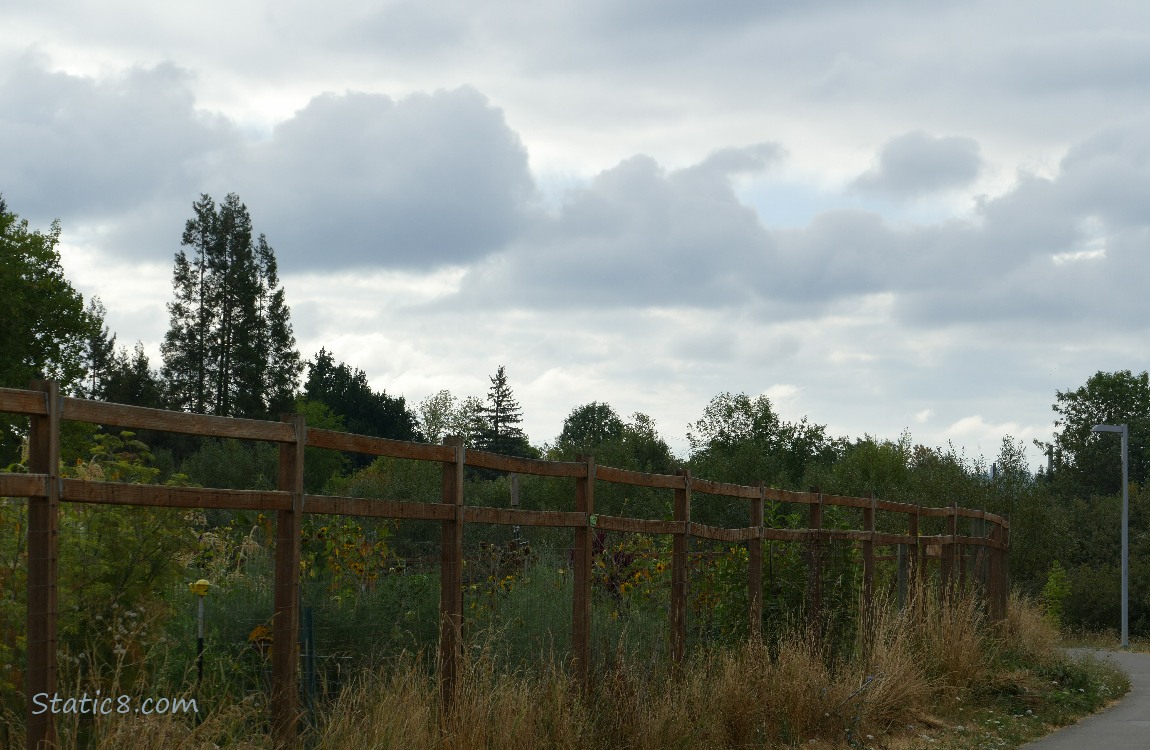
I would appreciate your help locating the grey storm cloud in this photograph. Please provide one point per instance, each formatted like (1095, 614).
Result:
(917, 163)
(359, 180)
(637, 236)
(76, 147)
(350, 181)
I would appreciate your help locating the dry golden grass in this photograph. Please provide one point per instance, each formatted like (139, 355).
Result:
(784, 692)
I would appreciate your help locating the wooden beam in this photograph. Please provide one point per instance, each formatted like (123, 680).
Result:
(17, 401)
(376, 446)
(139, 417)
(520, 465)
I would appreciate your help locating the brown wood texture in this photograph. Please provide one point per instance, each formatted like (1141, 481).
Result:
(23, 485)
(583, 560)
(285, 709)
(720, 534)
(868, 561)
(637, 525)
(512, 517)
(637, 478)
(139, 417)
(18, 401)
(788, 496)
(356, 506)
(538, 467)
(949, 551)
(119, 493)
(842, 501)
(43, 556)
(755, 570)
(725, 489)
(789, 535)
(891, 507)
(376, 446)
(451, 574)
(680, 569)
(814, 554)
(893, 539)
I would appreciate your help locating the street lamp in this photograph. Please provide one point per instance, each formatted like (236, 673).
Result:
(1125, 529)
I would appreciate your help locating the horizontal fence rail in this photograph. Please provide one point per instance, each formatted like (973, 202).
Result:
(45, 489)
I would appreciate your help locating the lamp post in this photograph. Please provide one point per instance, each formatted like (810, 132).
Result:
(1121, 428)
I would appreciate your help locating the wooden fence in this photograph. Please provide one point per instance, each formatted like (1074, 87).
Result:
(45, 489)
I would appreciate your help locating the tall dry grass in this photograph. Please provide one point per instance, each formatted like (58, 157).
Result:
(784, 691)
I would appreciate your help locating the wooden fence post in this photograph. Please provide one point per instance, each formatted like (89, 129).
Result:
(949, 548)
(680, 569)
(286, 613)
(917, 551)
(868, 562)
(43, 551)
(451, 575)
(755, 567)
(999, 586)
(815, 562)
(581, 575)
(901, 575)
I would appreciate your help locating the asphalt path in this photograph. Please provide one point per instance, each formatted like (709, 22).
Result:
(1126, 724)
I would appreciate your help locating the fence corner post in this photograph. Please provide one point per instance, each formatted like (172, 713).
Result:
(451, 574)
(581, 574)
(43, 554)
(286, 614)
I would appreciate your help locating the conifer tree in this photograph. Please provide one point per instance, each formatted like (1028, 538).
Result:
(501, 418)
(229, 349)
(99, 353)
(346, 392)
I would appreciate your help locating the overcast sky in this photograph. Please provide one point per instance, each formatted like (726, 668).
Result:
(887, 216)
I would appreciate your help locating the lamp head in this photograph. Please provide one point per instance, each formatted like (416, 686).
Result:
(1106, 428)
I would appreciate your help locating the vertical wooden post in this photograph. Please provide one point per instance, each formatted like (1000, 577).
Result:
(286, 615)
(451, 575)
(868, 562)
(815, 562)
(680, 569)
(581, 575)
(964, 559)
(1004, 592)
(900, 583)
(43, 551)
(999, 586)
(946, 566)
(755, 567)
(917, 550)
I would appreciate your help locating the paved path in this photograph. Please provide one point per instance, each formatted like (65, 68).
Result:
(1124, 725)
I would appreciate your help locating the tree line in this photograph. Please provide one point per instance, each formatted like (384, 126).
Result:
(230, 350)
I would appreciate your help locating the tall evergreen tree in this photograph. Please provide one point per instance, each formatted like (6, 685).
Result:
(501, 418)
(229, 349)
(131, 380)
(99, 353)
